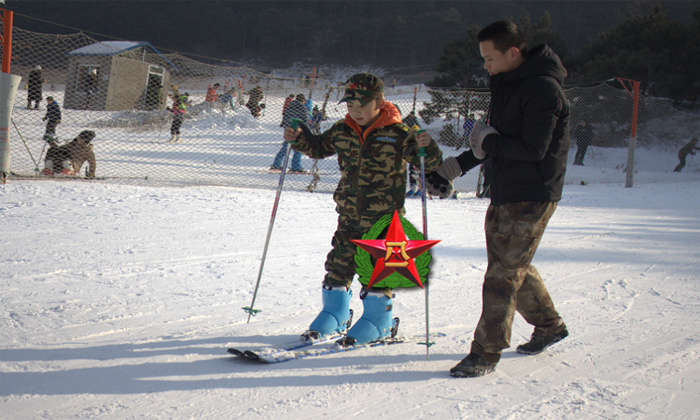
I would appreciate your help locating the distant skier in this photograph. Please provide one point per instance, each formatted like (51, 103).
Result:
(90, 86)
(52, 117)
(71, 156)
(317, 117)
(81, 151)
(211, 93)
(34, 88)
(178, 109)
(288, 100)
(254, 99)
(296, 109)
(689, 148)
(583, 132)
(371, 144)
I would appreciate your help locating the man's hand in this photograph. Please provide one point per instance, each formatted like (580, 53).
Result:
(291, 135)
(440, 182)
(477, 136)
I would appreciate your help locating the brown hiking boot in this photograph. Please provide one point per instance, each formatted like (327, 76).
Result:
(472, 366)
(539, 343)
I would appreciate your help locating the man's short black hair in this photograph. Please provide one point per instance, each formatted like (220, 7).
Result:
(504, 34)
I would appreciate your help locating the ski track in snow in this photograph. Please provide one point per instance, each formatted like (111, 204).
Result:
(118, 302)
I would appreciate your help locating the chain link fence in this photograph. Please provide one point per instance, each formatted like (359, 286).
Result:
(231, 135)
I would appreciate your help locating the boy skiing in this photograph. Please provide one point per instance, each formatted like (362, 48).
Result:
(372, 146)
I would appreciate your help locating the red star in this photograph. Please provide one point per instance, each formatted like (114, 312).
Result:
(353, 86)
(395, 253)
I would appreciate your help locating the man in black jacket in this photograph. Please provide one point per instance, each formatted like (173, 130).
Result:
(527, 140)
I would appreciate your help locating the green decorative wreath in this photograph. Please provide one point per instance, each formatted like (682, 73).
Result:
(363, 259)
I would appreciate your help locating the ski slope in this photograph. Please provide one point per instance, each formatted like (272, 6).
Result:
(119, 301)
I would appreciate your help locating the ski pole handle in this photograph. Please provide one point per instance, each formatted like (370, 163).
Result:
(421, 151)
(295, 123)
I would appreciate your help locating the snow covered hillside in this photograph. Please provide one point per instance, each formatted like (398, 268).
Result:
(119, 301)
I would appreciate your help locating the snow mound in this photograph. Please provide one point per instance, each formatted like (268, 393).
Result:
(132, 119)
(208, 115)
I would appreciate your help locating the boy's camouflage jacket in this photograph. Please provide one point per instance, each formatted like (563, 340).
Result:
(372, 167)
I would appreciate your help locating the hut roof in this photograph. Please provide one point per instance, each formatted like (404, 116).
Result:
(112, 48)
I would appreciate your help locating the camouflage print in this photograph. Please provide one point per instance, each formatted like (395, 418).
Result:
(372, 173)
(340, 262)
(511, 284)
(363, 87)
(372, 182)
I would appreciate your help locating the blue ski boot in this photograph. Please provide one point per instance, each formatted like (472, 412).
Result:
(335, 317)
(376, 322)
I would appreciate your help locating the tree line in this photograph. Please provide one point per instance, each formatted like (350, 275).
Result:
(664, 55)
(596, 39)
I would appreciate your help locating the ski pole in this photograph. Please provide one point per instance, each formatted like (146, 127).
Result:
(42, 150)
(36, 167)
(426, 286)
(249, 309)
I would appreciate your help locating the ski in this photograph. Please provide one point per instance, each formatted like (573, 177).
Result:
(56, 177)
(329, 347)
(290, 172)
(301, 342)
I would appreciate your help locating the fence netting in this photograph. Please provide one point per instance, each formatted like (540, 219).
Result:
(231, 134)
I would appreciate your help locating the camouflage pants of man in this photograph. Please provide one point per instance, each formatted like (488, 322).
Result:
(340, 262)
(511, 284)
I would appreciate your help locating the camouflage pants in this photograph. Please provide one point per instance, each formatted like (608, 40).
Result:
(340, 262)
(511, 284)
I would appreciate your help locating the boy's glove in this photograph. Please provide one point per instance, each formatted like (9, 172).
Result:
(477, 136)
(440, 182)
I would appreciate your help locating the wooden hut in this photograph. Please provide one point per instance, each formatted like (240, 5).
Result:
(115, 76)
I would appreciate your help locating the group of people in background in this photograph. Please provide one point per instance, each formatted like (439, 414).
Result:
(66, 159)
(302, 109)
(69, 158)
(294, 108)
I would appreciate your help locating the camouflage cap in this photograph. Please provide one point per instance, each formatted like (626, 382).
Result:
(363, 87)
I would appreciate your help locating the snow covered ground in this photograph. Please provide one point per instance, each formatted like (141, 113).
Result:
(119, 301)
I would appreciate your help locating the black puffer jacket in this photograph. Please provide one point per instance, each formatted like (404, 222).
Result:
(531, 113)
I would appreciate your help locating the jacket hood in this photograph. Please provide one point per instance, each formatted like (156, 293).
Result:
(388, 115)
(541, 61)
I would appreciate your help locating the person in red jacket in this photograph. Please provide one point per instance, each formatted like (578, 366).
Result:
(211, 93)
(288, 100)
